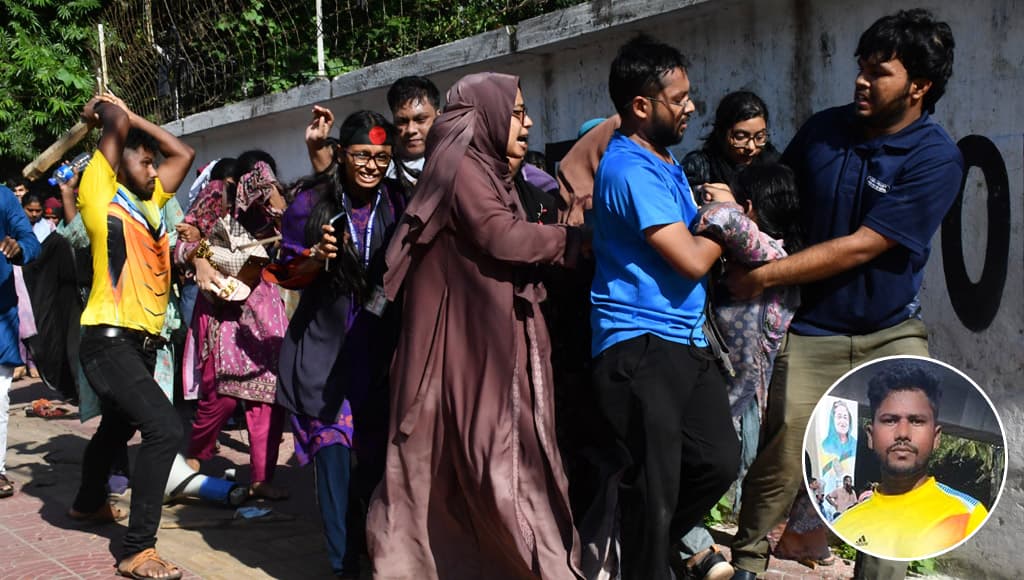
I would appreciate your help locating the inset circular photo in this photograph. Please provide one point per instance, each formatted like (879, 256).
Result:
(905, 457)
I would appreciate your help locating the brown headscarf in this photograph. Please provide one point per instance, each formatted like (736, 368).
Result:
(475, 123)
(576, 170)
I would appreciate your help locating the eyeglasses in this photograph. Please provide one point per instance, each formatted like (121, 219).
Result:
(740, 139)
(362, 158)
(520, 114)
(683, 103)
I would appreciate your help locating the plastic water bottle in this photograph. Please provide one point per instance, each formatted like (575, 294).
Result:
(65, 172)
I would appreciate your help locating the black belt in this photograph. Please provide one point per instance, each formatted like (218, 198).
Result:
(147, 340)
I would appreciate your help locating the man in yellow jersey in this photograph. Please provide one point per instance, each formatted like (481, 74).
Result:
(910, 515)
(120, 197)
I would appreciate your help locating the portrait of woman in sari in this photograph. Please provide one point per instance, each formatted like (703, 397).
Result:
(838, 450)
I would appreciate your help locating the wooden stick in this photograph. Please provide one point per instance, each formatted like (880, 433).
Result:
(103, 59)
(54, 152)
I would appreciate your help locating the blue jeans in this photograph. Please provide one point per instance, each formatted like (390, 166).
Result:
(120, 370)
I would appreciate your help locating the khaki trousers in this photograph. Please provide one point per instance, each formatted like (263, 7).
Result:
(804, 369)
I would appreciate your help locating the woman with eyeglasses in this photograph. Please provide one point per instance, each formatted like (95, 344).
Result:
(336, 354)
(739, 138)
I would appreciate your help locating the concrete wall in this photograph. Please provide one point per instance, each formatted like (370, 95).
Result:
(798, 55)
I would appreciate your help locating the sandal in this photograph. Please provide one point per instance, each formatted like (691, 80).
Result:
(6, 486)
(813, 563)
(827, 561)
(108, 514)
(45, 409)
(264, 490)
(713, 566)
(128, 567)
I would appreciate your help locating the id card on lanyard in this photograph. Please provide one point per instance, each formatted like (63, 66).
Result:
(377, 301)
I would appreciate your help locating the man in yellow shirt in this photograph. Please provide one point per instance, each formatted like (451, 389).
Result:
(910, 515)
(120, 197)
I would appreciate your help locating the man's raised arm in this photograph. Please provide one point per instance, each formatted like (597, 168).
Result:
(177, 155)
(114, 124)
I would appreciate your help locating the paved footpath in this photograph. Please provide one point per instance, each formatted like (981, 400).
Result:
(37, 539)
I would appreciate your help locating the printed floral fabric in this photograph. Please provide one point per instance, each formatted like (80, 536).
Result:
(244, 341)
(752, 329)
(207, 208)
(203, 214)
(312, 435)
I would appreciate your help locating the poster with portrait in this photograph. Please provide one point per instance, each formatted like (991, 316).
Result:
(836, 443)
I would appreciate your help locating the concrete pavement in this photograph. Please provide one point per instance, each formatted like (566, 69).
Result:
(38, 540)
(206, 541)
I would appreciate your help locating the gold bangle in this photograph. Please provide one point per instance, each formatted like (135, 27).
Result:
(203, 250)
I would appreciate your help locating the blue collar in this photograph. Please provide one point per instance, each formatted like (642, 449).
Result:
(905, 140)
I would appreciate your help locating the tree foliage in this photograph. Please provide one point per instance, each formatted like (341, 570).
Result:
(172, 59)
(45, 73)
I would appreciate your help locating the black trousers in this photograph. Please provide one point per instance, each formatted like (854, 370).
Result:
(120, 370)
(667, 415)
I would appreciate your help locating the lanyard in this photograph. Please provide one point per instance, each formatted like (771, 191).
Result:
(369, 228)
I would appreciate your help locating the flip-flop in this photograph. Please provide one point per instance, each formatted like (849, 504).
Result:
(105, 515)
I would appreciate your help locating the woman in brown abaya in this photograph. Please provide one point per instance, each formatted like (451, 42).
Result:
(474, 485)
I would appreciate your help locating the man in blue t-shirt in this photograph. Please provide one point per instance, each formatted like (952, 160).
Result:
(876, 178)
(661, 398)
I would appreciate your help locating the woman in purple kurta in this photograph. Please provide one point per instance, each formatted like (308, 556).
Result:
(474, 485)
(336, 353)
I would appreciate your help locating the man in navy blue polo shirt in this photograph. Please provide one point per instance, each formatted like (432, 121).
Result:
(876, 178)
(661, 397)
